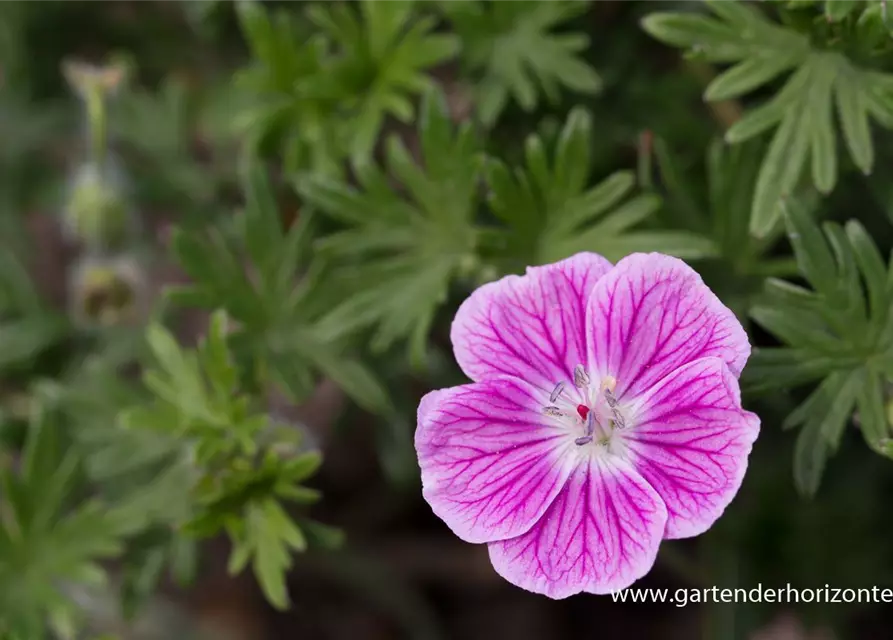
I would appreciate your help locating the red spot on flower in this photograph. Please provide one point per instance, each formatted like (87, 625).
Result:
(583, 410)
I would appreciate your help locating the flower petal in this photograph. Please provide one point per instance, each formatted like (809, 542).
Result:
(531, 326)
(491, 465)
(600, 535)
(690, 439)
(652, 314)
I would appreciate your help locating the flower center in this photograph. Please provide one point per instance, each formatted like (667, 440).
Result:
(596, 417)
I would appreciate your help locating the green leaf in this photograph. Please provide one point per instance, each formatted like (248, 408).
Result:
(833, 336)
(219, 277)
(23, 339)
(737, 32)
(802, 110)
(814, 258)
(810, 455)
(257, 29)
(513, 48)
(720, 210)
(873, 270)
(278, 308)
(837, 11)
(47, 539)
(400, 248)
(228, 471)
(265, 539)
(853, 110)
(872, 414)
(356, 380)
(787, 154)
(822, 138)
(552, 213)
(386, 50)
(824, 416)
(748, 75)
(262, 226)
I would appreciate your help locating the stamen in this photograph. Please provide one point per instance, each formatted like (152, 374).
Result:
(590, 427)
(619, 422)
(556, 392)
(553, 411)
(581, 378)
(608, 385)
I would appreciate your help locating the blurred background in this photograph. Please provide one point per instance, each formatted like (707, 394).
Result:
(127, 130)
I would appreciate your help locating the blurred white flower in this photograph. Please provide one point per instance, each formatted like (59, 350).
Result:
(88, 80)
(108, 292)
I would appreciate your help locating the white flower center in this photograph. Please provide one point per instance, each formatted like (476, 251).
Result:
(596, 417)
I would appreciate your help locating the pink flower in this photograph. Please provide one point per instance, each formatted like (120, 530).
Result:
(604, 416)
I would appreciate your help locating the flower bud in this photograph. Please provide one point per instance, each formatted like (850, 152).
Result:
(97, 212)
(108, 292)
(94, 85)
(88, 80)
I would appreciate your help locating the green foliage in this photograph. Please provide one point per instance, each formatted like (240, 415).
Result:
(27, 326)
(399, 253)
(158, 127)
(720, 210)
(381, 63)
(552, 211)
(333, 202)
(822, 80)
(48, 542)
(514, 49)
(257, 274)
(840, 332)
(234, 466)
(331, 92)
(22, 131)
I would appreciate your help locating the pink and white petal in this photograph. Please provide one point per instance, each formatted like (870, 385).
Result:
(531, 326)
(491, 462)
(600, 535)
(690, 439)
(652, 314)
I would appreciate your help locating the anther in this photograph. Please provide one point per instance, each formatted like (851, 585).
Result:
(608, 390)
(553, 411)
(556, 392)
(584, 440)
(618, 419)
(590, 424)
(581, 378)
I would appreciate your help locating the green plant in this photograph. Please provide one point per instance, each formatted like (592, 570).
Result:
(513, 49)
(826, 77)
(249, 255)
